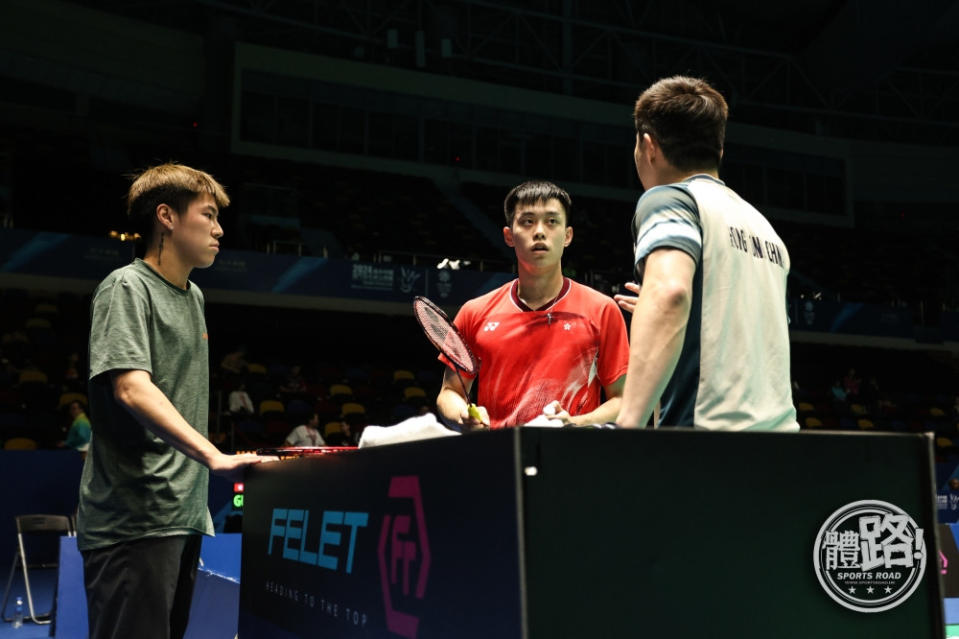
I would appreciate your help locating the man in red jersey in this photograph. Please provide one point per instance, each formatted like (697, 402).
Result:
(548, 346)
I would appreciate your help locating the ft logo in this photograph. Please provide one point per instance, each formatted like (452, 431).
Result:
(404, 556)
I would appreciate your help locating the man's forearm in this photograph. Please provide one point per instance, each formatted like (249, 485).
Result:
(135, 391)
(450, 405)
(656, 339)
(605, 412)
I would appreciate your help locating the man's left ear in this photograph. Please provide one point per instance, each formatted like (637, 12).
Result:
(569, 236)
(508, 236)
(650, 146)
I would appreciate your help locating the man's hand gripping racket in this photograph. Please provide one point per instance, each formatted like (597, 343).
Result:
(447, 339)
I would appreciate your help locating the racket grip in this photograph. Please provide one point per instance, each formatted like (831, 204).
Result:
(474, 412)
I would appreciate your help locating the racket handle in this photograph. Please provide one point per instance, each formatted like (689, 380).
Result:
(474, 412)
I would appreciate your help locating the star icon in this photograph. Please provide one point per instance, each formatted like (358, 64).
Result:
(852, 590)
(888, 589)
(869, 590)
(567, 326)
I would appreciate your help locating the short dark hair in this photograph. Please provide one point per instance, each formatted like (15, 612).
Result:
(535, 191)
(175, 185)
(687, 118)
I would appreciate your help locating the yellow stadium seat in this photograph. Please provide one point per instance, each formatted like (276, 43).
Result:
(29, 376)
(332, 427)
(271, 406)
(38, 322)
(256, 369)
(413, 391)
(806, 407)
(20, 443)
(813, 422)
(350, 408)
(402, 375)
(341, 391)
(865, 424)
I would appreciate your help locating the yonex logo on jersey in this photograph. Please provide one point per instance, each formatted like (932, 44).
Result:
(491, 326)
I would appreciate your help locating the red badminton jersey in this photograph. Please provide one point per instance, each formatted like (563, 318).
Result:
(567, 350)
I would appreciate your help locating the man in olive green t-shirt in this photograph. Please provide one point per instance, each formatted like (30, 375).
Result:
(143, 492)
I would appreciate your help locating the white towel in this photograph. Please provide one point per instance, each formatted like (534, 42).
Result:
(415, 428)
(544, 421)
(546, 418)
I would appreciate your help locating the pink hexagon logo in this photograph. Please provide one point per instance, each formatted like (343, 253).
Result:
(399, 551)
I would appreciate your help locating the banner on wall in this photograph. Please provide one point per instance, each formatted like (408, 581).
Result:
(852, 318)
(74, 257)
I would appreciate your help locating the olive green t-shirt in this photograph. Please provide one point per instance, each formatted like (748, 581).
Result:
(134, 484)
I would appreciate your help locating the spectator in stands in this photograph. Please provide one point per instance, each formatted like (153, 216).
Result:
(294, 382)
(78, 437)
(344, 437)
(71, 374)
(851, 382)
(838, 392)
(574, 345)
(709, 330)
(235, 361)
(239, 403)
(307, 434)
(143, 492)
(869, 395)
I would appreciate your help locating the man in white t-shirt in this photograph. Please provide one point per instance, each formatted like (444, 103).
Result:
(239, 402)
(306, 434)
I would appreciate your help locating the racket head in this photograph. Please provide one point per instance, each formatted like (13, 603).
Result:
(444, 335)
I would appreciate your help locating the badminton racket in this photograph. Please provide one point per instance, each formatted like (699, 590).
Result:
(449, 341)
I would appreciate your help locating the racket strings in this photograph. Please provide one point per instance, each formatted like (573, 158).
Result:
(439, 330)
(445, 337)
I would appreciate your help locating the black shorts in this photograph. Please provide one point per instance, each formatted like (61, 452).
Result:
(141, 588)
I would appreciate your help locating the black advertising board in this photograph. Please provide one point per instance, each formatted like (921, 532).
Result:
(413, 540)
(674, 533)
(555, 533)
